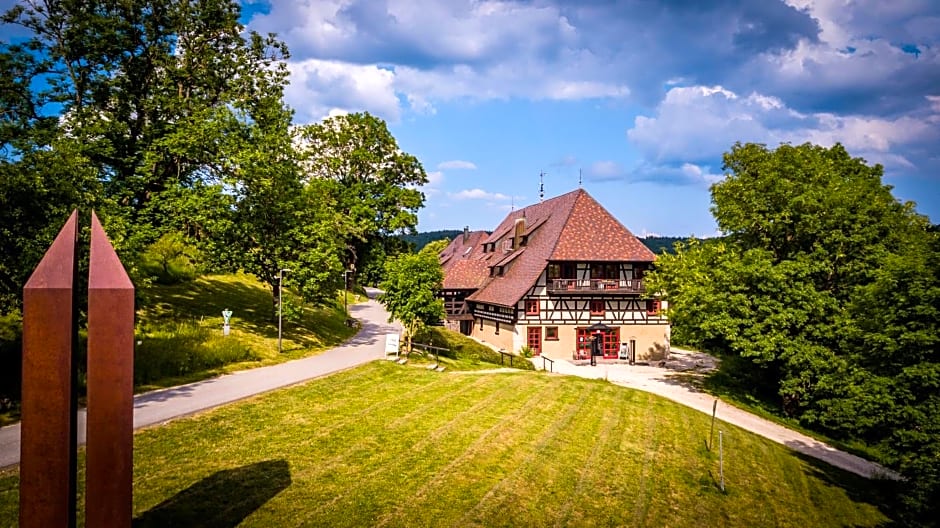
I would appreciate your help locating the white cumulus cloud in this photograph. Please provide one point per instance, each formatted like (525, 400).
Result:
(456, 164)
(478, 194)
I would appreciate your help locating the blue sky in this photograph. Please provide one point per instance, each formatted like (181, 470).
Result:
(641, 97)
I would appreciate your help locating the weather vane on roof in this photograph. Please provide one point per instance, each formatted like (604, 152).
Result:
(541, 186)
(579, 177)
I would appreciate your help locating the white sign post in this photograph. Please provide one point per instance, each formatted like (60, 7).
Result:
(226, 315)
(391, 345)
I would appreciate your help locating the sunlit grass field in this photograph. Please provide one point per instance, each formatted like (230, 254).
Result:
(392, 445)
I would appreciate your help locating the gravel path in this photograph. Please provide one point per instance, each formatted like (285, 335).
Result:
(162, 405)
(676, 382)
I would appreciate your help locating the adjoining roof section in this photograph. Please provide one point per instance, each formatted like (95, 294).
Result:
(547, 220)
(593, 234)
(465, 265)
(572, 227)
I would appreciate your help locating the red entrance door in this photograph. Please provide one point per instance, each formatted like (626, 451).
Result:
(534, 339)
(610, 343)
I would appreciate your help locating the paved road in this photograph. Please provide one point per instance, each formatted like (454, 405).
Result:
(676, 386)
(165, 404)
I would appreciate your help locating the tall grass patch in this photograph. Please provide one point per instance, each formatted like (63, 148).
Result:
(180, 329)
(185, 348)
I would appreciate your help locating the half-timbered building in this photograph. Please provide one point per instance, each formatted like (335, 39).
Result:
(551, 276)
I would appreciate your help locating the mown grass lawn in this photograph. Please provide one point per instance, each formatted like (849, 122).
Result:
(392, 445)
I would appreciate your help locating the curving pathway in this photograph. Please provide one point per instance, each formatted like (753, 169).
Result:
(675, 385)
(163, 405)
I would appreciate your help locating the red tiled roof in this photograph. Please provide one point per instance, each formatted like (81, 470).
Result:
(466, 275)
(593, 234)
(464, 263)
(572, 226)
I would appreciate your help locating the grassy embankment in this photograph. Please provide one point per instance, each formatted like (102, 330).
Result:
(392, 445)
(462, 353)
(179, 330)
(732, 384)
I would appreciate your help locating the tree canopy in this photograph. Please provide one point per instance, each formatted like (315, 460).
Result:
(168, 117)
(379, 181)
(828, 286)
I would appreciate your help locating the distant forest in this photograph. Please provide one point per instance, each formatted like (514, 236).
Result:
(658, 244)
(419, 240)
(655, 243)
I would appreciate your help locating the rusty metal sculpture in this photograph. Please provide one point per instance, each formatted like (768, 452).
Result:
(48, 459)
(47, 456)
(110, 432)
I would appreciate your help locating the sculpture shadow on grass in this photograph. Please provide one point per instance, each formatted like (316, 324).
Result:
(221, 500)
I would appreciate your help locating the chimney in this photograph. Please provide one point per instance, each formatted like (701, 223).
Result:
(517, 236)
(466, 233)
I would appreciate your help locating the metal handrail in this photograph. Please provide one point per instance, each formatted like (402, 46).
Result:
(502, 354)
(550, 360)
(424, 347)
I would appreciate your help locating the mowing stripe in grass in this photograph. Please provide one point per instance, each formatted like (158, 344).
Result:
(648, 440)
(459, 436)
(266, 414)
(479, 395)
(481, 465)
(433, 405)
(588, 420)
(612, 421)
(391, 448)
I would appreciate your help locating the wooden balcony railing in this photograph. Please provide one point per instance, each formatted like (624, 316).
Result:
(455, 307)
(557, 286)
(457, 311)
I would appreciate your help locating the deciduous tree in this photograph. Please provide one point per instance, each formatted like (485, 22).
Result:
(378, 194)
(828, 286)
(411, 286)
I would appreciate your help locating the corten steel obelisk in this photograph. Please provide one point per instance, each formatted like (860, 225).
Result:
(47, 452)
(110, 433)
(49, 411)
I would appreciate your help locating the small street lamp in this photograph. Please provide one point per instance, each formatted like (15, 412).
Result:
(280, 290)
